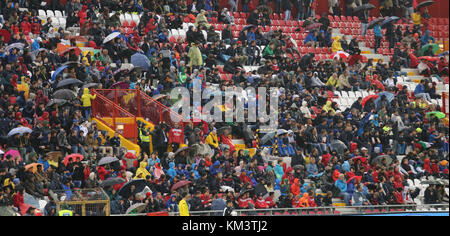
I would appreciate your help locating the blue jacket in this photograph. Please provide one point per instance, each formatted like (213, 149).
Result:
(341, 185)
(171, 171)
(346, 166)
(310, 37)
(377, 31)
(311, 169)
(419, 89)
(45, 164)
(426, 38)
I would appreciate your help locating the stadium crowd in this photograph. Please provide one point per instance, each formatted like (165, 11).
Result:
(364, 154)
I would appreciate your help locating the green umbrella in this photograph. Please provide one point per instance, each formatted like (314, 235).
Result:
(425, 145)
(438, 114)
(435, 48)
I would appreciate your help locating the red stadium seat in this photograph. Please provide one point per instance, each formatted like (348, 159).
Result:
(243, 15)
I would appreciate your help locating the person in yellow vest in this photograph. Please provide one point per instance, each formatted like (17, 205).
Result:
(183, 205)
(86, 99)
(145, 141)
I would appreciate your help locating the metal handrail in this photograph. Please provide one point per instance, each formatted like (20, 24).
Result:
(324, 210)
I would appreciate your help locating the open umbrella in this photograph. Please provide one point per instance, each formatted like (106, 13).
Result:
(136, 208)
(121, 70)
(58, 70)
(434, 48)
(338, 145)
(266, 139)
(180, 184)
(424, 4)
(281, 132)
(375, 22)
(313, 26)
(159, 96)
(34, 53)
(56, 101)
(389, 96)
(379, 160)
(76, 49)
(33, 167)
(368, 98)
(354, 178)
(19, 130)
(389, 20)
(120, 85)
(181, 150)
(428, 58)
(432, 182)
(140, 60)
(74, 157)
(13, 153)
(364, 7)
(111, 182)
(68, 82)
(107, 160)
(244, 191)
(227, 188)
(438, 114)
(14, 45)
(90, 85)
(65, 94)
(29, 199)
(339, 54)
(111, 36)
(139, 185)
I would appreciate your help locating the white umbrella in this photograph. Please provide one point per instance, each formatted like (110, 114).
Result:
(107, 160)
(340, 54)
(14, 45)
(281, 132)
(19, 130)
(111, 37)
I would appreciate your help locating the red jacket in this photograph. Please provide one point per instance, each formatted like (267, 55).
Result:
(26, 27)
(102, 172)
(399, 197)
(269, 202)
(18, 199)
(243, 203)
(176, 136)
(261, 204)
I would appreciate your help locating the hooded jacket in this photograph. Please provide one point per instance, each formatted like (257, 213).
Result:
(195, 56)
(87, 97)
(336, 46)
(305, 110)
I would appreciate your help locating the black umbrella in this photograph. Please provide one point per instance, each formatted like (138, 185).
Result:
(244, 191)
(125, 191)
(424, 4)
(364, 7)
(56, 101)
(379, 160)
(221, 130)
(111, 182)
(68, 82)
(375, 22)
(389, 20)
(65, 94)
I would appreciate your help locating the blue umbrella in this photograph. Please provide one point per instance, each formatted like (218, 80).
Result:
(140, 60)
(389, 19)
(58, 70)
(389, 96)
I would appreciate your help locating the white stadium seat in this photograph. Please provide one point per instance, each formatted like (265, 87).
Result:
(351, 94)
(344, 94)
(58, 14)
(50, 13)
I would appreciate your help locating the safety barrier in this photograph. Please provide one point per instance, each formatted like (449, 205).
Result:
(139, 104)
(114, 116)
(82, 202)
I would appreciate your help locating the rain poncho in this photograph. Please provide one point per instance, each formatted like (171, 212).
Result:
(87, 97)
(336, 46)
(142, 171)
(328, 107)
(195, 56)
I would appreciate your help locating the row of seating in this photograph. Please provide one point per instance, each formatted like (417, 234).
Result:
(43, 15)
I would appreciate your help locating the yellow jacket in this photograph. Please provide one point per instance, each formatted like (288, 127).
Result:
(212, 140)
(328, 107)
(142, 171)
(336, 46)
(184, 208)
(417, 19)
(332, 82)
(87, 97)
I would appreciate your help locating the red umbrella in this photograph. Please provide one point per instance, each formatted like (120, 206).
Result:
(428, 58)
(180, 184)
(73, 156)
(353, 58)
(368, 98)
(340, 54)
(77, 51)
(363, 159)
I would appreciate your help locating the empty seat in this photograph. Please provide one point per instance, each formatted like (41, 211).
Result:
(351, 94)
(128, 17)
(62, 22)
(58, 14)
(136, 18)
(50, 13)
(344, 94)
